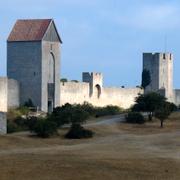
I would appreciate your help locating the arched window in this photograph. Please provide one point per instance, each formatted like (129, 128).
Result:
(97, 91)
(51, 69)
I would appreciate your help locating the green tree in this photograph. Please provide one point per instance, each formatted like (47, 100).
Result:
(149, 103)
(146, 78)
(163, 112)
(64, 80)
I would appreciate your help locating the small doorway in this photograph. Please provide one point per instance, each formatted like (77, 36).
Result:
(50, 106)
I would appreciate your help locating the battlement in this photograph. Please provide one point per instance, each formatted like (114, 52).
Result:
(157, 55)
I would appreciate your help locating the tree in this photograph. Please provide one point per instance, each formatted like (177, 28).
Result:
(163, 112)
(146, 78)
(149, 103)
(63, 80)
(62, 115)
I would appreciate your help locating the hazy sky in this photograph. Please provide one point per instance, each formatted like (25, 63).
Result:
(106, 36)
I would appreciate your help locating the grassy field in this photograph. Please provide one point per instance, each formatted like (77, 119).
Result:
(117, 152)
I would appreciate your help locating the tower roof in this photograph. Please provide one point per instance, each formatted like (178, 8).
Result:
(30, 30)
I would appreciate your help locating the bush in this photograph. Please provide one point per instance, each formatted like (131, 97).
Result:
(135, 118)
(44, 128)
(31, 123)
(78, 132)
(16, 125)
(108, 110)
(12, 127)
(29, 103)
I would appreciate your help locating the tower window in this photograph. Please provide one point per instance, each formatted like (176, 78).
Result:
(170, 56)
(164, 56)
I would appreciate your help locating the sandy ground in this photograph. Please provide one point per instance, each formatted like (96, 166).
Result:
(118, 151)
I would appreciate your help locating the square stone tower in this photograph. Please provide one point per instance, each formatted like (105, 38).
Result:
(33, 59)
(160, 66)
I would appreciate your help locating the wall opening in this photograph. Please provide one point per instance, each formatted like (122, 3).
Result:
(51, 82)
(97, 91)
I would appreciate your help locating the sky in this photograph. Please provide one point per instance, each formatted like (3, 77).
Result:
(107, 36)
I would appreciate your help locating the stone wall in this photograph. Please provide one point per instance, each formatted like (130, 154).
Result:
(72, 92)
(177, 97)
(13, 94)
(3, 94)
(9, 94)
(3, 123)
(78, 93)
(122, 97)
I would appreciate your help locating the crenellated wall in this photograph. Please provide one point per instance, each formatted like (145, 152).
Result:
(78, 93)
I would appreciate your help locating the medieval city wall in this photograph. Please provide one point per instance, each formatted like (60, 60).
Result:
(74, 93)
(177, 97)
(122, 97)
(78, 93)
(13, 94)
(3, 123)
(3, 94)
(9, 94)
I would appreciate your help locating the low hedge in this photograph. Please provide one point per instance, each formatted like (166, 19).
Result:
(135, 118)
(78, 132)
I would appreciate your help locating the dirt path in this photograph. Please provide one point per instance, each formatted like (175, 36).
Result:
(113, 154)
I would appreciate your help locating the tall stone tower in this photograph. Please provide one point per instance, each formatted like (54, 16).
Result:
(160, 66)
(33, 59)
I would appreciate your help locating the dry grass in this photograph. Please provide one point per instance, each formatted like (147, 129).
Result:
(117, 152)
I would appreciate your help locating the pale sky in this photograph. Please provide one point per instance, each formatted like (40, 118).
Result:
(107, 36)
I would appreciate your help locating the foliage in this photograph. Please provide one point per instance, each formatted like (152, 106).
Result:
(12, 127)
(79, 113)
(149, 103)
(69, 114)
(76, 81)
(44, 128)
(135, 118)
(16, 119)
(29, 103)
(61, 115)
(146, 78)
(108, 110)
(31, 123)
(173, 107)
(64, 80)
(77, 132)
(163, 112)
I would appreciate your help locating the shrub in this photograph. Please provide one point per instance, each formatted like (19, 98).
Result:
(44, 128)
(135, 118)
(29, 103)
(21, 123)
(12, 127)
(31, 123)
(108, 110)
(89, 108)
(78, 132)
